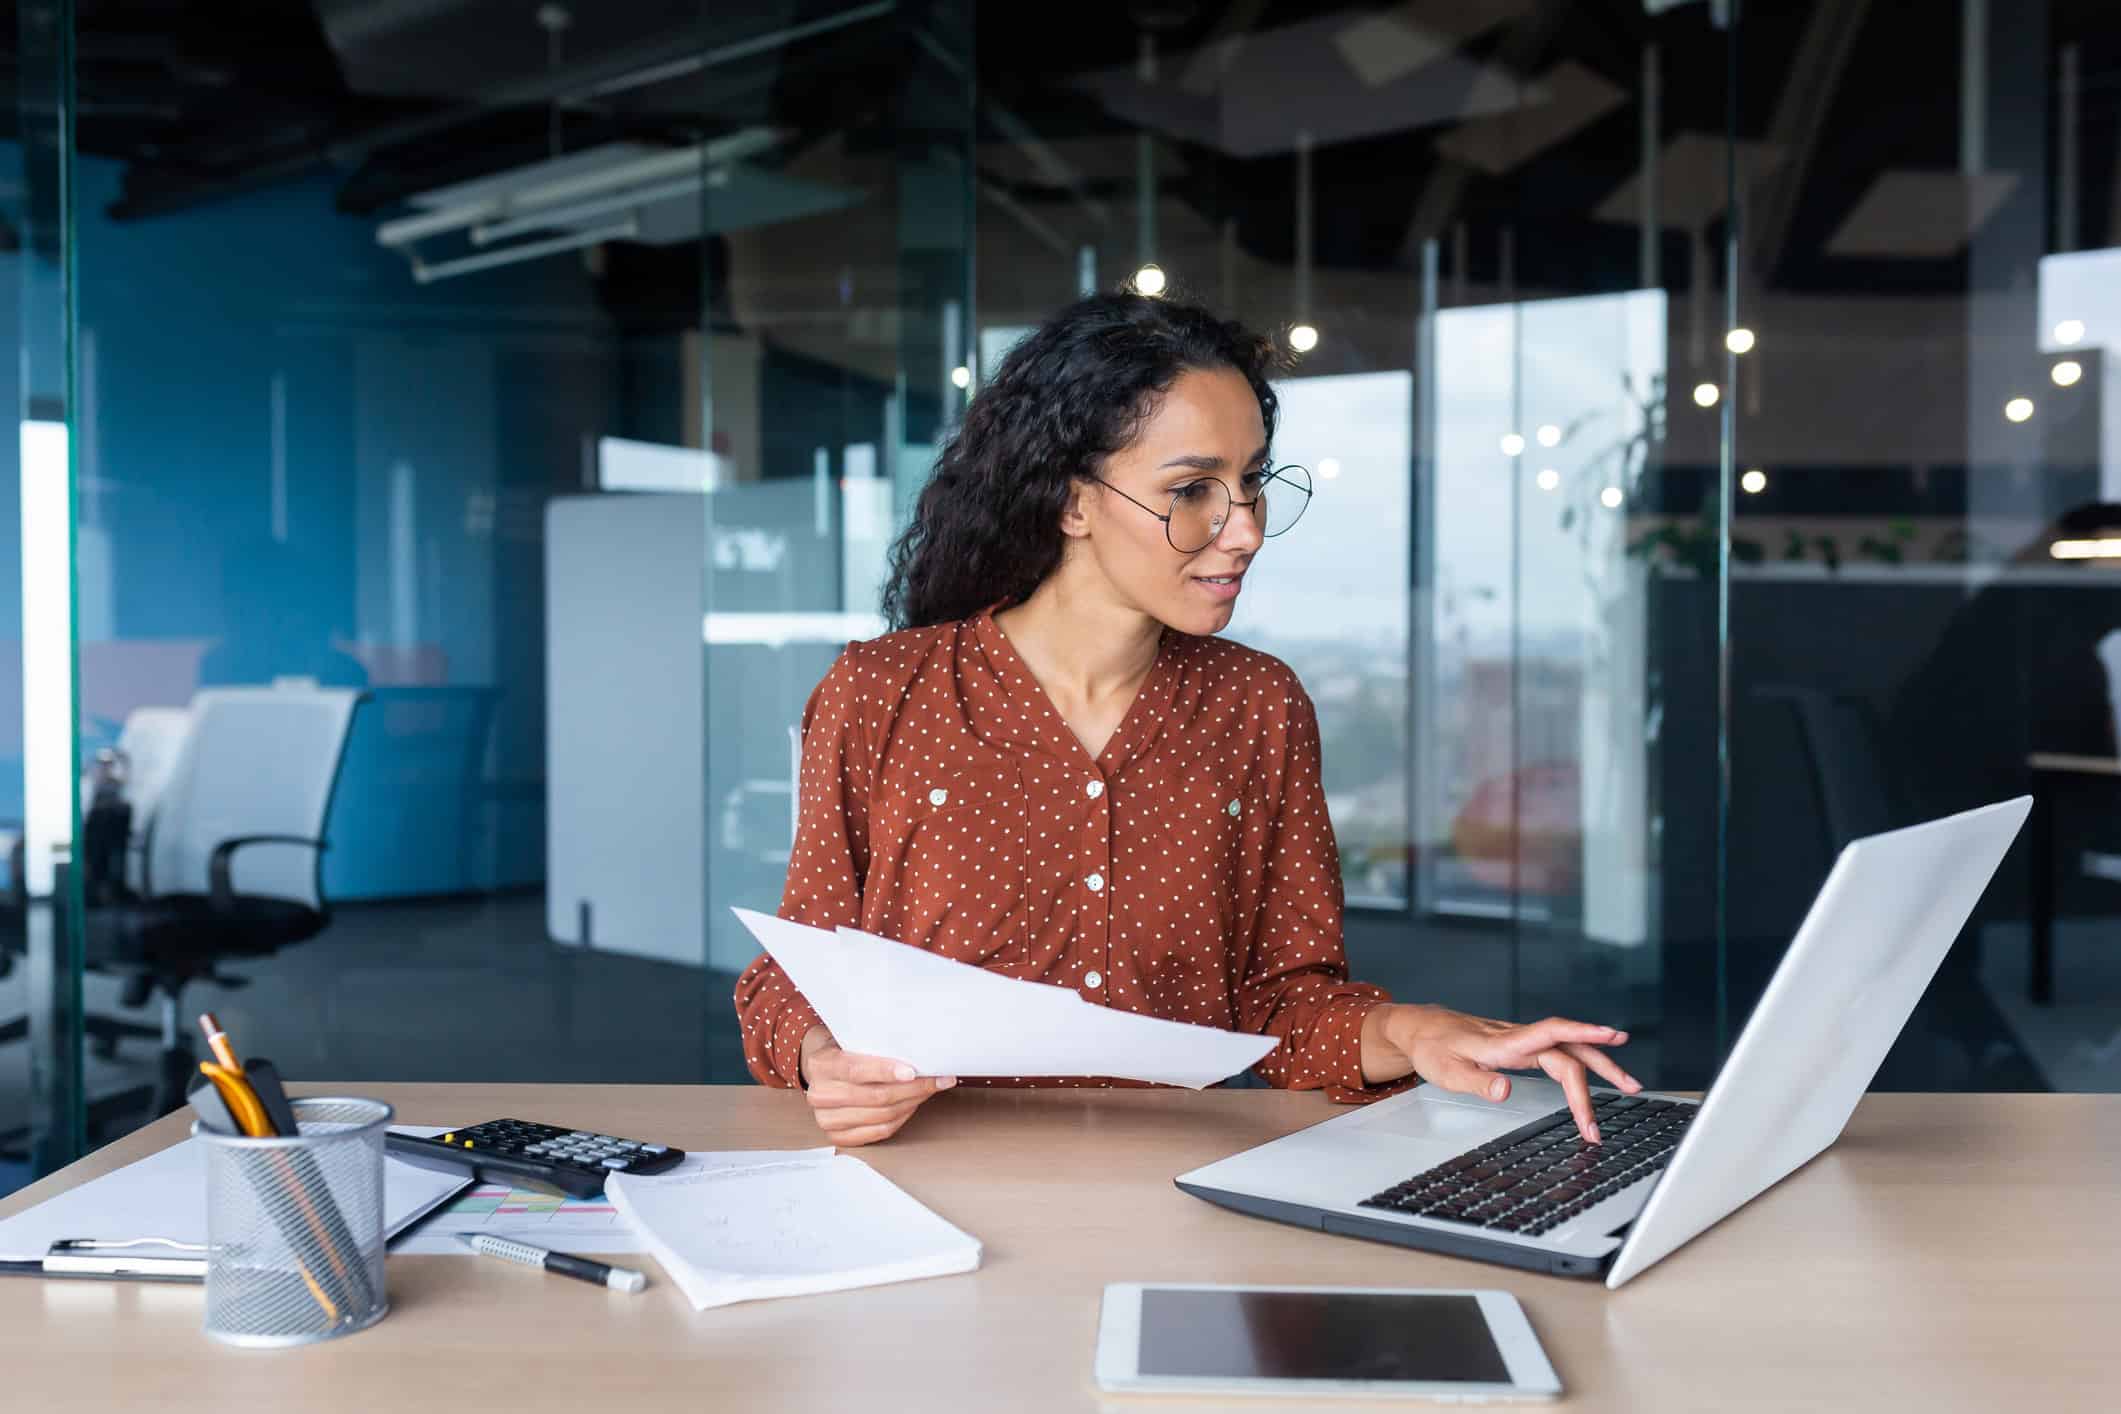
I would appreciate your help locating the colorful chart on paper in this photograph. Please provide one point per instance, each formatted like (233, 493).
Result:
(491, 1200)
(547, 1219)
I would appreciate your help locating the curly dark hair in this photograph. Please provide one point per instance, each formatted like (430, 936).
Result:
(1073, 392)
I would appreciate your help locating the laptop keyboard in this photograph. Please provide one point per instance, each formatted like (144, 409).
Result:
(1540, 1175)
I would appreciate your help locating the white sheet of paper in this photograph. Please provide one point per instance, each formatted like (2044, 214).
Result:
(812, 1223)
(164, 1195)
(948, 1018)
(584, 1226)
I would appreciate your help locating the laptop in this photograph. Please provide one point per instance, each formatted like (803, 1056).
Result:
(1512, 1183)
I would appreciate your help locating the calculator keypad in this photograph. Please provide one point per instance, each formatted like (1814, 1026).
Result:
(601, 1154)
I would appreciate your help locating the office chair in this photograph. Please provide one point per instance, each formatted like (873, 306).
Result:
(14, 908)
(1845, 746)
(149, 742)
(418, 754)
(229, 856)
(1858, 777)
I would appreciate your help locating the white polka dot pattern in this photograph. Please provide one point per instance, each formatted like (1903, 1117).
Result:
(1194, 877)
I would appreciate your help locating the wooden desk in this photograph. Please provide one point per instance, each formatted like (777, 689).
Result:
(1953, 1252)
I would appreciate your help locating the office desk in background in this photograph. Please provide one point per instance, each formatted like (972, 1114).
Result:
(1952, 1252)
(2047, 769)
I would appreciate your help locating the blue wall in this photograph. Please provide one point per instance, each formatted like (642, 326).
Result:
(420, 430)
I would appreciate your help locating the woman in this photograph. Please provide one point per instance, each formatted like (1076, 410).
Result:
(1055, 770)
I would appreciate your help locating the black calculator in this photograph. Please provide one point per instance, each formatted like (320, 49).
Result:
(523, 1154)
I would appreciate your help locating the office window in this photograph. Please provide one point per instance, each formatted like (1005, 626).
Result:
(1536, 759)
(1329, 598)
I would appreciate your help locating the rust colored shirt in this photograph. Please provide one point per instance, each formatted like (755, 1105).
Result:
(1188, 872)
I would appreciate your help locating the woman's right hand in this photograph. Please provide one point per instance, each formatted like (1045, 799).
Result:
(860, 1099)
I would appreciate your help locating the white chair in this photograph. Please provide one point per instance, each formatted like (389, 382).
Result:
(152, 739)
(232, 851)
(241, 809)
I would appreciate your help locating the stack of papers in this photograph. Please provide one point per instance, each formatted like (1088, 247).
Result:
(164, 1195)
(883, 998)
(791, 1224)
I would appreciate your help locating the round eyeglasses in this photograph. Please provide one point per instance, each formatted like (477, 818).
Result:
(1200, 509)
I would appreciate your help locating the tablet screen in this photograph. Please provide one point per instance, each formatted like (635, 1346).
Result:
(1295, 1335)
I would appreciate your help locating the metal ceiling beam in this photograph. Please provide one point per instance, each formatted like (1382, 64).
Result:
(1808, 89)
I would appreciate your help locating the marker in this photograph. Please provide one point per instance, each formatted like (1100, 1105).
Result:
(580, 1268)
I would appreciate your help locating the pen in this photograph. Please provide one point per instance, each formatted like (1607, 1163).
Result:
(241, 1100)
(327, 1231)
(580, 1268)
(217, 1041)
(86, 1257)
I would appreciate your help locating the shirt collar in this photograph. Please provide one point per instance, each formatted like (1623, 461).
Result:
(1041, 727)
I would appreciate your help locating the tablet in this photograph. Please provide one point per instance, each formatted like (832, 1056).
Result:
(1319, 1340)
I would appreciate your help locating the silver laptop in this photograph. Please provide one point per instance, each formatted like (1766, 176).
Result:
(1512, 1182)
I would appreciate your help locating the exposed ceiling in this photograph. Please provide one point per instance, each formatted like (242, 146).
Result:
(1424, 113)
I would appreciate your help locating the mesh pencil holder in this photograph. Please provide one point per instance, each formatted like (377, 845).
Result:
(295, 1227)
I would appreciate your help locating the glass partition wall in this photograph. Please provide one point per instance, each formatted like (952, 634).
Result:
(1921, 616)
(483, 413)
(838, 337)
(1703, 405)
(41, 1054)
(1486, 236)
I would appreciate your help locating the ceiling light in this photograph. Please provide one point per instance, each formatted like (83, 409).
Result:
(2069, 331)
(1549, 435)
(1611, 498)
(1512, 444)
(568, 192)
(1303, 338)
(1706, 394)
(1548, 478)
(1753, 482)
(2066, 373)
(1150, 280)
(2018, 409)
(2085, 550)
(961, 376)
(1739, 340)
(1328, 468)
(425, 272)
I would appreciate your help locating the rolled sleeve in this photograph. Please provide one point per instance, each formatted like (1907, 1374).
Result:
(1296, 984)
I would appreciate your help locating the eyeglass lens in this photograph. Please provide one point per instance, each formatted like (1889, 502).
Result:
(1200, 509)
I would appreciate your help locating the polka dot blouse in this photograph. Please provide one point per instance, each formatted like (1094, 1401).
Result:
(1188, 872)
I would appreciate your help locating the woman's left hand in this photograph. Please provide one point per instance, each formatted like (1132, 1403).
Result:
(1462, 1053)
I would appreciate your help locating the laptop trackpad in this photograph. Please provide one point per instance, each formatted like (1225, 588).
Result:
(1442, 1119)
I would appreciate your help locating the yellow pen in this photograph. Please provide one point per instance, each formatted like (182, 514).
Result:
(218, 1041)
(242, 1101)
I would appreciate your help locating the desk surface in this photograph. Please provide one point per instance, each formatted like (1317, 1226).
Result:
(1952, 1252)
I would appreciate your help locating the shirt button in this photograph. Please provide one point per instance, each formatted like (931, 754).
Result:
(1094, 789)
(938, 796)
(1096, 883)
(1093, 979)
